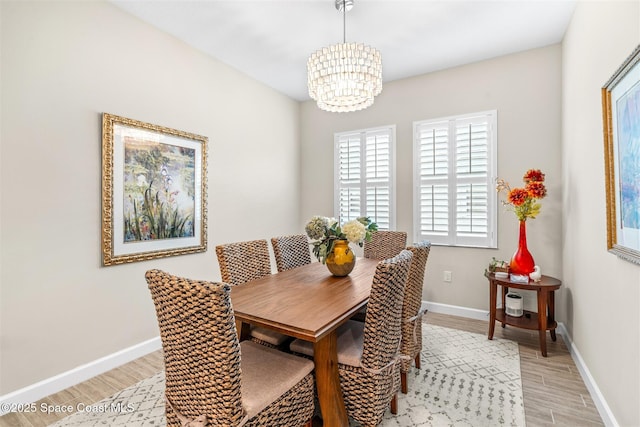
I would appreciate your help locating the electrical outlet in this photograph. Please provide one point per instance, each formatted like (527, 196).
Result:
(447, 276)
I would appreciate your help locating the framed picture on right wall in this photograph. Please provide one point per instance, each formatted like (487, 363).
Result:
(621, 125)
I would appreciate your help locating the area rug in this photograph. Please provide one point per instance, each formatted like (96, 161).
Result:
(465, 380)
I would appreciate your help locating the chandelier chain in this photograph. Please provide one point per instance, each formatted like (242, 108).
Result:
(344, 21)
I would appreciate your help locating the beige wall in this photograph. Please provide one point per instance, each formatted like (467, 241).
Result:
(525, 90)
(602, 292)
(63, 64)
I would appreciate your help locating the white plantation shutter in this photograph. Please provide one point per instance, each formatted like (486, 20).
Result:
(454, 170)
(365, 175)
(349, 168)
(432, 148)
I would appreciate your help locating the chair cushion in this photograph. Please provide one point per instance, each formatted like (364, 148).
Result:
(350, 339)
(267, 374)
(269, 336)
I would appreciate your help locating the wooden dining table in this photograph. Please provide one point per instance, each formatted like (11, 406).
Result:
(308, 303)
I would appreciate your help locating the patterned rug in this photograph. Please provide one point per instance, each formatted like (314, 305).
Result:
(465, 380)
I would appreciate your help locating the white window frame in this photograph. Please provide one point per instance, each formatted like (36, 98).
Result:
(363, 133)
(452, 238)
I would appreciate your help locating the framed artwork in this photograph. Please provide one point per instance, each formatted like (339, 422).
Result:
(621, 116)
(154, 191)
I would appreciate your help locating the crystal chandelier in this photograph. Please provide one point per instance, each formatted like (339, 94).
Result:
(346, 76)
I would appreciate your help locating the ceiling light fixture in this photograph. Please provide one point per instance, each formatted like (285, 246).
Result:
(346, 76)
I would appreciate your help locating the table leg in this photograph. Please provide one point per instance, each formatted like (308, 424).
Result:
(243, 330)
(542, 320)
(493, 291)
(325, 356)
(552, 311)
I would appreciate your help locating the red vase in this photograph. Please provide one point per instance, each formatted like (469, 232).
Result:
(522, 262)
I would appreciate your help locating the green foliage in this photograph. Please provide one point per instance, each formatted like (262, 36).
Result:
(496, 264)
(156, 219)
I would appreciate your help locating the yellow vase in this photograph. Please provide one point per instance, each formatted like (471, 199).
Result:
(341, 260)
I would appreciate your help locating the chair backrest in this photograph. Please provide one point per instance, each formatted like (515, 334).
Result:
(415, 279)
(291, 251)
(384, 310)
(385, 244)
(200, 345)
(242, 262)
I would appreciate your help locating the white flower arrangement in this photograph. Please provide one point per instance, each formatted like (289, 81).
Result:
(355, 231)
(324, 231)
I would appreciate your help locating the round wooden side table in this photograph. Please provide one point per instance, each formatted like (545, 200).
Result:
(542, 321)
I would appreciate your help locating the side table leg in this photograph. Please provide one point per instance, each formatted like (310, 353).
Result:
(493, 294)
(552, 315)
(505, 291)
(542, 320)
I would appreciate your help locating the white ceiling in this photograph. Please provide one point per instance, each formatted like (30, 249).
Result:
(270, 40)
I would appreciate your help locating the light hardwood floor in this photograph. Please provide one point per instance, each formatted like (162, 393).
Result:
(554, 393)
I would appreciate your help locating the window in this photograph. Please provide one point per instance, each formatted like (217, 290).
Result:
(454, 173)
(365, 175)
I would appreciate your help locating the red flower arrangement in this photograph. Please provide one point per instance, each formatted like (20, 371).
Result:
(524, 201)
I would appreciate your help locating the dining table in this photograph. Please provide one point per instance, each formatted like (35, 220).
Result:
(308, 303)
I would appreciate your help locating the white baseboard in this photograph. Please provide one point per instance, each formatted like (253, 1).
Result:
(455, 310)
(598, 399)
(70, 378)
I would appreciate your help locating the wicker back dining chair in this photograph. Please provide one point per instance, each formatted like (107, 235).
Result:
(291, 251)
(212, 378)
(242, 262)
(412, 311)
(385, 244)
(368, 358)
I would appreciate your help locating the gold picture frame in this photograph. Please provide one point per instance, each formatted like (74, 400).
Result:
(154, 191)
(621, 125)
